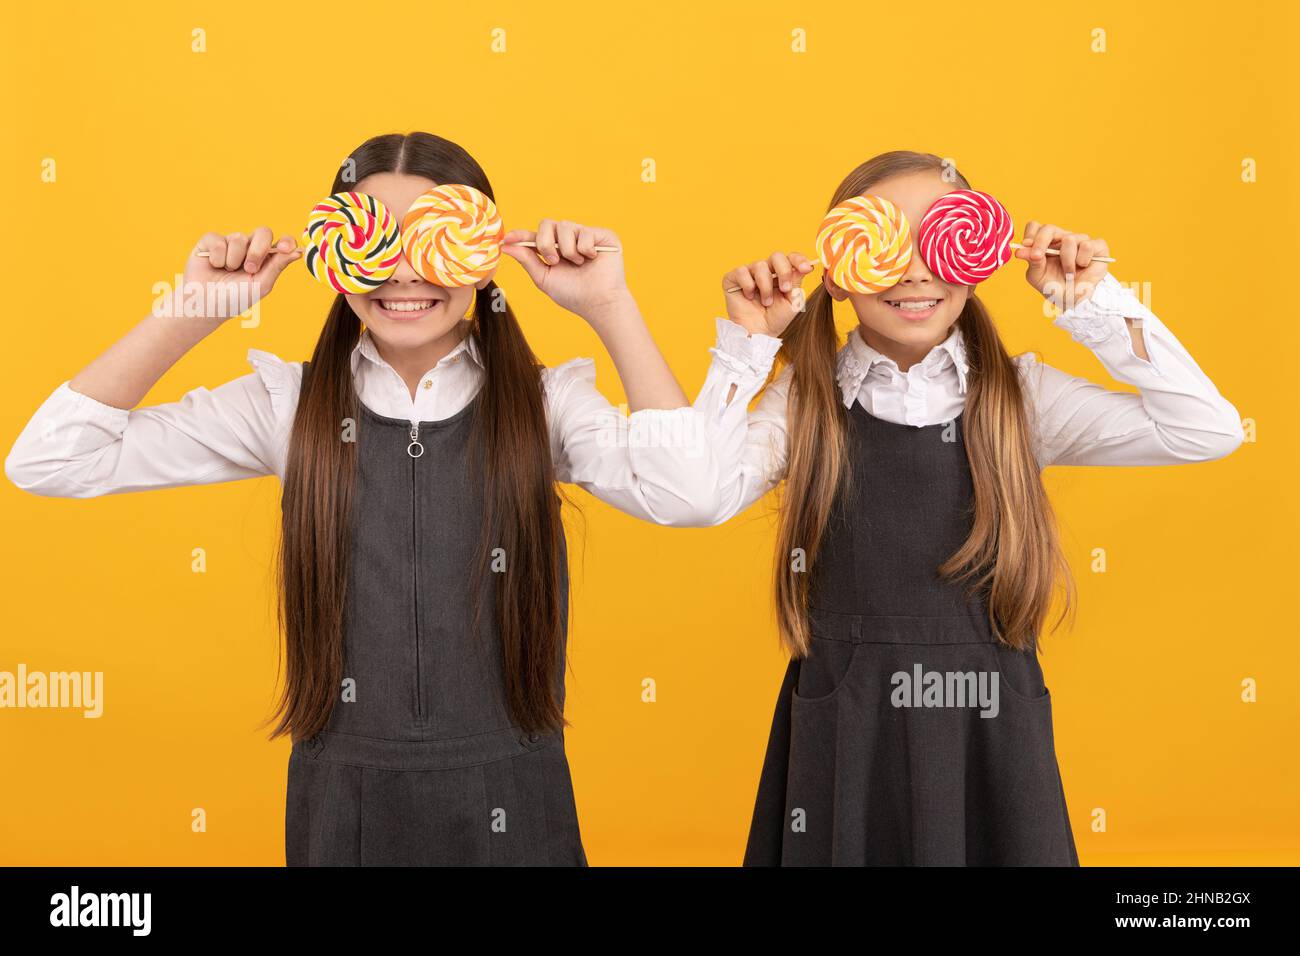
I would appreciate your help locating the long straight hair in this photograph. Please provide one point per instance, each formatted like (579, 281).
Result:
(510, 448)
(1012, 555)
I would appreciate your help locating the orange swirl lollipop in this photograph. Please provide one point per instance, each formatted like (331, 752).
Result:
(865, 244)
(452, 235)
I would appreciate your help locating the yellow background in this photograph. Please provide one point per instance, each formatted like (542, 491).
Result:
(1142, 144)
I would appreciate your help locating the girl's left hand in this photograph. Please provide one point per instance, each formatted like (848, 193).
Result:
(574, 275)
(1072, 274)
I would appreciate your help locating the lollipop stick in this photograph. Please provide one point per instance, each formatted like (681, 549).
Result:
(532, 245)
(1057, 252)
(203, 253)
(776, 288)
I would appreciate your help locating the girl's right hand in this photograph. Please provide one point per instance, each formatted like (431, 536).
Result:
(767, 293)
(237, 271)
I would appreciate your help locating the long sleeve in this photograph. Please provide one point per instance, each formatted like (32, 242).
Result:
(654, 464)
(77, 447)
(750, 446)
(1176, 416)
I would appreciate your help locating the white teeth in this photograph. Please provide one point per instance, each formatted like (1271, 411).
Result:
(406, 305)
(919, 305)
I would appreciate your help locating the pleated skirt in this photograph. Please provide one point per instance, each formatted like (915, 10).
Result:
(853, 778)
(490, 800)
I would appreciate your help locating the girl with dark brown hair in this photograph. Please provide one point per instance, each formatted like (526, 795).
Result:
(422, 571)
(917, 556)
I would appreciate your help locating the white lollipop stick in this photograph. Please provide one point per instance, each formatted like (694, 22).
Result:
(1057, 252)
(532, 245)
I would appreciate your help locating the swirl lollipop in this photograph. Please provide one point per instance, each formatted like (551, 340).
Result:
(452, 235)
(865, 244)
(353, 244)
(965, 237)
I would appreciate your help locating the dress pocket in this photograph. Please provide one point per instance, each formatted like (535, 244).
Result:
(1019, 674)
(825, 670)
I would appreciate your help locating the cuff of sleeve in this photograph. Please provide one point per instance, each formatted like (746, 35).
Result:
(68, 420)
(744, 352)
(1102, 315)
(88, 409)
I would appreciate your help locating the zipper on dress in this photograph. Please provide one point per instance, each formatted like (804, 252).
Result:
(415, 450)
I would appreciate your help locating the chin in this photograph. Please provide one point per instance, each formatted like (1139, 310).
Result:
(915, 333)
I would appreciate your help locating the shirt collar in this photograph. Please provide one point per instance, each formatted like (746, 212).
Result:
(857, 358)
(365, 349)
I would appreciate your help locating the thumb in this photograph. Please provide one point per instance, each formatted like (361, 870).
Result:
(1037, 272)
(275, 263)
(529, 259)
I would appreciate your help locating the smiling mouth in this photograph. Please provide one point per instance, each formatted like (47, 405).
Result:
(406, 305)
(913, 305)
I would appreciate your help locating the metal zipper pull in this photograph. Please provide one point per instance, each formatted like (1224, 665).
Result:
(415, 449)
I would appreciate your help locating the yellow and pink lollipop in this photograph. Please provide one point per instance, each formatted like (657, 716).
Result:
(452, 235)
(865, 244)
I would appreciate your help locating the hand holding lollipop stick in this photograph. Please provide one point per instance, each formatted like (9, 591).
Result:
(353, 243)
(865, 243)
(1057, 252)
(965, 237)
(452, 236)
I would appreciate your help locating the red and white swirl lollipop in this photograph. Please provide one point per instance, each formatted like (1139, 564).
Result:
(965, 237)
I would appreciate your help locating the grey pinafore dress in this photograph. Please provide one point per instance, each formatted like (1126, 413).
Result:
(426, 766)
(879, 753)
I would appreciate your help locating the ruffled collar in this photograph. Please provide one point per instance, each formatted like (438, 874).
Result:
(857, 358)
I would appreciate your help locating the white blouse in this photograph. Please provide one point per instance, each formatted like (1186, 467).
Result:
(1176, 416)
(653, 464)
